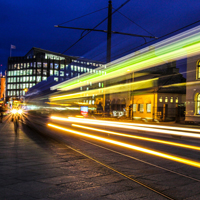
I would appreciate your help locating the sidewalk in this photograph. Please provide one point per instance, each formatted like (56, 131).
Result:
(33, 167)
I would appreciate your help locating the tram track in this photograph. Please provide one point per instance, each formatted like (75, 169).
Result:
(111, 166)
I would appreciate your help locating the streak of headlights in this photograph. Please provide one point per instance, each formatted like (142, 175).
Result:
(139, 138)
(107, 123)
(129, 146)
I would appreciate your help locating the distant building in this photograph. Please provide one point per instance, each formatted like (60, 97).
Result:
(2, 86)
(38, 64)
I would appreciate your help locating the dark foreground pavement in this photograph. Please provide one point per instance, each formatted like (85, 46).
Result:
(34, 167)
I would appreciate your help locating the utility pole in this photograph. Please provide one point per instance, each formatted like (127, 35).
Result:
(109, 31)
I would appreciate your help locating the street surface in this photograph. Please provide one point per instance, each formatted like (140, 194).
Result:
(57, 164)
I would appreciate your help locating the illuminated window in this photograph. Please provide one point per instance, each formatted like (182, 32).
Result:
(28, 65)
(84, 69)
(160, 99)
(14, 73)
(171, 99)
(39, 65)
(17, 93)
(17, 79)
(62, 73)
(99, 84)
(44, 65)
(11, 73)
(31, 85)
(51, 72)
(11, 80)
(62, 66)
(21, 79)
(22, 65)
(75, 68)
(24, 72)
(176, 99)
(21, 72)
(141, 108)
(17, 86)
(28, 71)
(34, 64)
(198, 69)
(148, 107)
(17, 72)
(30, 78)
(72, 74)
(81, 69)
(166, 99)
(24, 79)
(38, 78)
(8, 86)
(27, 79)
(38, 71)
(55, 79)
(56, 73)
(56, 66)
(72, 67)
(51, 65)
(134, 107)
(14, 79)
(44, 72)
(24, 86)
(44, 78)
(78, 69)
(31, 71)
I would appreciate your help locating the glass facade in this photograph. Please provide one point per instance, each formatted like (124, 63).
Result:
(25, 72)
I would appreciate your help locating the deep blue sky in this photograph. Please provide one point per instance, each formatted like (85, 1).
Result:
(30, 23)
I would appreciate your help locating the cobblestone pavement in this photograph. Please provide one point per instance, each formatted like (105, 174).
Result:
(35, 167)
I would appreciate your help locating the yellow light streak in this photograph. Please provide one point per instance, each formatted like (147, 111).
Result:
(129, 146)
(99, 122)
(107, 90)
(139, 137)
(147, 125)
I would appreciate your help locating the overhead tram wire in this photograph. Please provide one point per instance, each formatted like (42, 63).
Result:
(135, 23)
(135, 48)
(82, 16)
(96, 26)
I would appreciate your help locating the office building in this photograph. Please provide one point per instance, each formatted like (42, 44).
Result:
(38, 64)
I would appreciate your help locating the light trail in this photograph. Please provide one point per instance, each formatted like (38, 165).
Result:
(129, 146)
(107, 90)
(146, 125)
(176, 47)
(98, 122)
(139, 137)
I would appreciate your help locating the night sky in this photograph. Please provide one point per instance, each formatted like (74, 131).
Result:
(30, 23)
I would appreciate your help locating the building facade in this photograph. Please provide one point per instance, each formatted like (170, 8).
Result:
(193, 89)
(38, 64)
